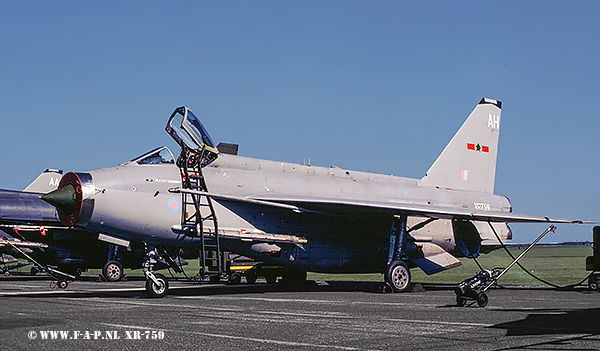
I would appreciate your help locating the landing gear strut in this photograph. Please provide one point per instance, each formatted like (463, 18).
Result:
(397, 273)
(113, 269)
(156, 284)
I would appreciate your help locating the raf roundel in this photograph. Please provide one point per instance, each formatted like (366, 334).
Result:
(174, 204)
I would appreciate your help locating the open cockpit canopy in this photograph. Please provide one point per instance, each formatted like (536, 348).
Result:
(185, 128)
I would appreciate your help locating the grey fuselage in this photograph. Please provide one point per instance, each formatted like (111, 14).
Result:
(133, 201)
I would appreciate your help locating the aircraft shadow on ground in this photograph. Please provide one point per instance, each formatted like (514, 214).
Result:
(309, 286)
(576, 325)
(554, 321)
(203, 289)
(180, 287)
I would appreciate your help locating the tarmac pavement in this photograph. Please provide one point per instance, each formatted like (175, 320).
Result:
(331, 315)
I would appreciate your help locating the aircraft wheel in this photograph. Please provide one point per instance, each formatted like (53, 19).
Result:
(159, 290)
(460, 301)
(250, 277)
(113, 271)
(271, 278)
(7, 272)
(398, 276)
(482, 300)
(235, 278)
(593, 282)
(63, 284)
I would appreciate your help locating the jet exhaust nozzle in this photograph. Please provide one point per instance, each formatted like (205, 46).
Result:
(64, 198)
(69, 198)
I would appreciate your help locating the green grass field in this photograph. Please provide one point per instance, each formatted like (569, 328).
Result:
(560, 265)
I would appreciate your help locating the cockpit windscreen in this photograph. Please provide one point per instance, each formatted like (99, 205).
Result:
(160, 155)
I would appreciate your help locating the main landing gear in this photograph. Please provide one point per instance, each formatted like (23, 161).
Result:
(112, 271)
(397, 276)
(397, 273)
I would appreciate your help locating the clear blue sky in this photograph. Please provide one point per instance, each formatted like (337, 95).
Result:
(373, 86)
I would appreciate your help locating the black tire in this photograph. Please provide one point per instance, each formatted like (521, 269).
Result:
(235, 278)
(397, 275)
(251, 277)
(593, 282)
(482, 300)
(460, 301)
(63, 284)
(113, 271)
(271, 278)
(160, 290)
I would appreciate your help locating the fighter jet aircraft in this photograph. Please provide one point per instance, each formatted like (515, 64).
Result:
(302, 217)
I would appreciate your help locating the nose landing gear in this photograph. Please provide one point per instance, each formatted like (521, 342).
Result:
(156, 284)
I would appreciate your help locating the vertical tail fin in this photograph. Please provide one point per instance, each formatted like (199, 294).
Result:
(469, 161)
(45, 182)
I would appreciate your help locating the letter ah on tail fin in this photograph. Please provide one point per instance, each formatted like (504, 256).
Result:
(469, 161)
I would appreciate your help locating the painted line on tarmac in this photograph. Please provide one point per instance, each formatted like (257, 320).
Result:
(326, 315)
(483, 325)
(53, 291)
(286, 300)
(61, 291)
(242, 338)
(160, 303)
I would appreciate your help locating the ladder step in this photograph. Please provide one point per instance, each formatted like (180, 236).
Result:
(198, 211)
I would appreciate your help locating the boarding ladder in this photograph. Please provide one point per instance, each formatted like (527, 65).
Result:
(198, 218)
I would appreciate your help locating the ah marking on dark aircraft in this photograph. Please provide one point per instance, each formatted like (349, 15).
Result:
(304, 218)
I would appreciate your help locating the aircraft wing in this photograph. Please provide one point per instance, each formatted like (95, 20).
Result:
(352, 207)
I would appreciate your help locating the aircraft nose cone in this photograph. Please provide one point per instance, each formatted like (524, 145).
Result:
(63, 198)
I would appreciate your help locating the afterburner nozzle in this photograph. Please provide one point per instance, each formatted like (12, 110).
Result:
(68, 198)
(63, 198)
